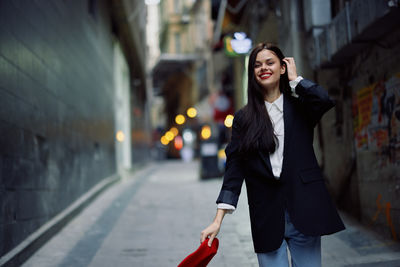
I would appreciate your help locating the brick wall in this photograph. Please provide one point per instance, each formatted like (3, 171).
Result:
(56, 109)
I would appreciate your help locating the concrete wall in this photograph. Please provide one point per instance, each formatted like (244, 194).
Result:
(336, 139)
(56, 109)
(363, 136)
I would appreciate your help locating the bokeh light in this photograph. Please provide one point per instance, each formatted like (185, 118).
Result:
(174, 130)
(164, 141)
(221, 153)
(180, 119)
(178, 143)
(188, 136)
(191, 112)
(169, 135)
(228, 121)
(120, 136)
(205, 132)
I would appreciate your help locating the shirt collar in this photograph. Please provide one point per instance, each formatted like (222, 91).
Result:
(277, 103)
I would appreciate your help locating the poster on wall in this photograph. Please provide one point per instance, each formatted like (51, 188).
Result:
(376, 117)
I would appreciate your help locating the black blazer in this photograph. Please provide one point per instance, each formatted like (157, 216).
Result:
(301, 188)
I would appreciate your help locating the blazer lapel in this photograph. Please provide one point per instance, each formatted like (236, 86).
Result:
(265, 158)
(288, 118)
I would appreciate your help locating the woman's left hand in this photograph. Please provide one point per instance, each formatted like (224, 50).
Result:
(290, 68)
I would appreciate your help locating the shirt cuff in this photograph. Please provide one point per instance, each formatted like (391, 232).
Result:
(293, 85)
(229, 208)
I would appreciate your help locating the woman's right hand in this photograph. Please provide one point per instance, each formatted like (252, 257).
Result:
(211, 232)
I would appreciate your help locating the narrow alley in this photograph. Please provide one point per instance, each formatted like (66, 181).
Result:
(120, 118)
(154, 218)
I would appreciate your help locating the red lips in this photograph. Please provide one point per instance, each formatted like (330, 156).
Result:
(265, 75)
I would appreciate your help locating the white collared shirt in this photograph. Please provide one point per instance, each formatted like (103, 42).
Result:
(275, 111)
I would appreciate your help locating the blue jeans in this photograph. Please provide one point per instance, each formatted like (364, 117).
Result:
(305, 251)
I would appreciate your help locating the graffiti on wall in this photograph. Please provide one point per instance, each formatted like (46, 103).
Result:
(376, 113)
(388, 216)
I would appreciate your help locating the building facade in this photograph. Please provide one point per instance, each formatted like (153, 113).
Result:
(351, 48)
(60, 65)
(182, 73)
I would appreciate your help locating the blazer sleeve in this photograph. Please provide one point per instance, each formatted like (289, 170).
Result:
(233, 178)
(314, 100)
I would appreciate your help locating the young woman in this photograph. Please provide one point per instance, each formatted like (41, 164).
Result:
(272, 150)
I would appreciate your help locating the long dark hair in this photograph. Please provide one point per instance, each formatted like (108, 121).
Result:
(258, 132)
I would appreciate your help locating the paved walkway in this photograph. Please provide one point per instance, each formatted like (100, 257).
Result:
(155, 216)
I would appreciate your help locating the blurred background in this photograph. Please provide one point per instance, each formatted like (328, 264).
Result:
(92, 90)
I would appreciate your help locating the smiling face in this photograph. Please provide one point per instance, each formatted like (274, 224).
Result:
(268, 69)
